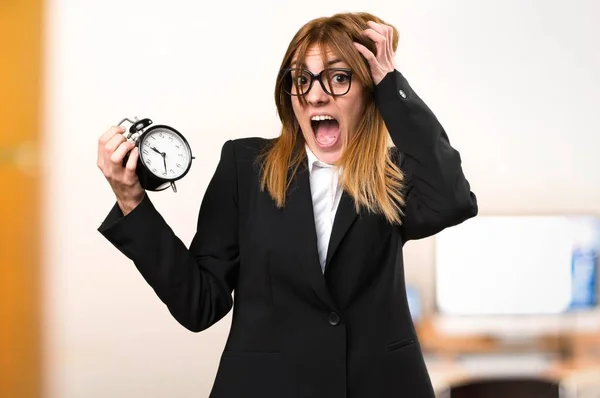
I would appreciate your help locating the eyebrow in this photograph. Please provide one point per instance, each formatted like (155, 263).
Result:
(329, 63)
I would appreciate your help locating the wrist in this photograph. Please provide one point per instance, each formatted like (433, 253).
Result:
(127, 205)
(381, 76)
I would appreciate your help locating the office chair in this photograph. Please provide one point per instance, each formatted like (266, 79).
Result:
(503, 388)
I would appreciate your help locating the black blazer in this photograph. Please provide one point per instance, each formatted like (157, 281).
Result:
(296, 332)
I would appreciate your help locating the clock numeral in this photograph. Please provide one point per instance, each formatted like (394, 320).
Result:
(180, 155)
(153, 137)
(148, 161)
(172, 172)
(178, 165)
(177, 146)
(161, 135)
(145, 151)
(154, 170)
(164, 173)
(170, 138)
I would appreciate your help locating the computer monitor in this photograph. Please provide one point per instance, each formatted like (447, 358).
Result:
(496, 268)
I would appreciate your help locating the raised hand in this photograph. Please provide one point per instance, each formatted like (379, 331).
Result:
(112, 148)
(384, 61)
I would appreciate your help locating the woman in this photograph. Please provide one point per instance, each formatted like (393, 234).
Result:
(308, 228)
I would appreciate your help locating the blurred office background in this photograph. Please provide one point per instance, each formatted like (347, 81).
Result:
(505, 304)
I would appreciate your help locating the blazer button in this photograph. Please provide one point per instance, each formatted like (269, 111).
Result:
(334, 319)
(402, 94)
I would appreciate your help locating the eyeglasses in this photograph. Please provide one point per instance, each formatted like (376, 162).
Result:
(334, 81)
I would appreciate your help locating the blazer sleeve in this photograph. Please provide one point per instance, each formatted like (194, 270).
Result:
(195, 284)
(436, 191)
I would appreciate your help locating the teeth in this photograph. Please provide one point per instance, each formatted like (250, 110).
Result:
(322, 117)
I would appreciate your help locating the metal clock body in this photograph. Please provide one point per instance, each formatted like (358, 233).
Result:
(164, 154)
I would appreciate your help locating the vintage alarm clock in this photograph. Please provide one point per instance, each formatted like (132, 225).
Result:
(164, 154)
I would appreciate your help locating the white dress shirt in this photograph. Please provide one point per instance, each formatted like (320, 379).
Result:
(326, 193)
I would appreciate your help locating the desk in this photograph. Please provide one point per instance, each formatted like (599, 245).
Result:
(573, 382)
(571, 361)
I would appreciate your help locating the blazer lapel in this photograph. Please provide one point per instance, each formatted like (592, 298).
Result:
(300, 209)
(344, 218)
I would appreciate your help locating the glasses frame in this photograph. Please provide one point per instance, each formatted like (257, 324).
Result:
(318, 76)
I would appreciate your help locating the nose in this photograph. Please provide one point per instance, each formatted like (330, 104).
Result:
(316, 95)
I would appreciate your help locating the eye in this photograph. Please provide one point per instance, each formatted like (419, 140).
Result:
(341, 78)
(301, 80)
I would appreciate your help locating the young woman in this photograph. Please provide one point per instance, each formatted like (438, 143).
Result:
(308, 228)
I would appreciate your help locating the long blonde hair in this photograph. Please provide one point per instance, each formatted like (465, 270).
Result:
(370, 175)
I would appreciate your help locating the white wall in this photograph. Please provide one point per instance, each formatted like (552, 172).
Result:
(515, 83)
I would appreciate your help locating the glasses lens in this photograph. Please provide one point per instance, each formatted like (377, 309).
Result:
(296, 82)
(337, 81)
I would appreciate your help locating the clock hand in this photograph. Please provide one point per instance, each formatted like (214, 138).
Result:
(164, 156)
(157, 151)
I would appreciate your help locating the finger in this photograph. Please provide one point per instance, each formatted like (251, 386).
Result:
(113, 144)
(117, 156)
(104, 139)
(374, 35)
(365, 52)
(378, 39)
(130, 177)
(109, 134)
(390, 41)
(386, 31)
(110, 147)
(377, 27)
(131, 163)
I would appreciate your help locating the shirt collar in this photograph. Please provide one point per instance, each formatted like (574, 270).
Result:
(313, 160)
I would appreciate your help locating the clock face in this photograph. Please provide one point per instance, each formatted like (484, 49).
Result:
(165, 153)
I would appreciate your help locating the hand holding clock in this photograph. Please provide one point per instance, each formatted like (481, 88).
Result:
(112, 149)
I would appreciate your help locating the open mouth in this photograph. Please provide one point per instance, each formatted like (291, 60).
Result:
(326, 130)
